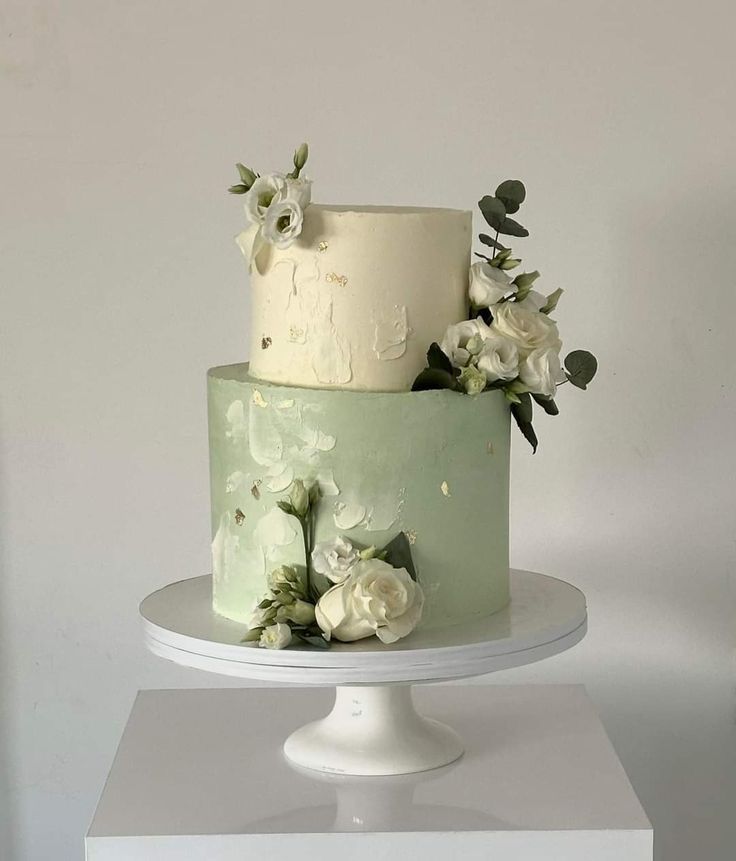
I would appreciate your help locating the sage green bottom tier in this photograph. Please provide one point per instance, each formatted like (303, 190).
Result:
(434, 465)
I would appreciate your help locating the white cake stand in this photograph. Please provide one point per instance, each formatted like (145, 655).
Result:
(373, 728)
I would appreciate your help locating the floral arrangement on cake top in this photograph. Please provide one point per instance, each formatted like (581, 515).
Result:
(343, 592)
(509, 341)
(274, 206)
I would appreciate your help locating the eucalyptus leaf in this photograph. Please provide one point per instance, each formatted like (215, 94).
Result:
(509, 227)
(491, 242)
(580, 367)
(436, 358)
(511, 193)
(522, 412)
(435, 378)
(486, 315)
(493, 211)
(398, 554)
(547, 404)
(315, 640)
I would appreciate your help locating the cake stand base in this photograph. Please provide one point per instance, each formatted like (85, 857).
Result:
(373, 731)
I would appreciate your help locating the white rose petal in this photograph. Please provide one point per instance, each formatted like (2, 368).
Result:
(533, 301)
(375, 598)
(488, 285)
(298, 190)
(498, 358)
(276, 636)
(261, 195)
(541, 371)
(334, 559)
(455, 342)
(528, 329)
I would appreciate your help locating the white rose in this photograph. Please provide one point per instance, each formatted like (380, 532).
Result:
(276, 636)
(528, 329)
(498, 358)
(541, 371)
(283, 222)
(488, 285)
(455, 342)
(335, 558)
(261, 195)
(374, 599)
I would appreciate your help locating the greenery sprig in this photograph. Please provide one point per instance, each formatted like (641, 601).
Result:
(580, 366)
(248, 176)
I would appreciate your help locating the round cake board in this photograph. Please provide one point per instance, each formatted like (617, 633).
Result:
(373, 728)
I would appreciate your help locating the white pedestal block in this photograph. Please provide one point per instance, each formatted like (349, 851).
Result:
(200, 775)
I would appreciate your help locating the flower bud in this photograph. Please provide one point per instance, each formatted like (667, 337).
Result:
(301, 613)
(300, 156)
(368, 552)
(473, 380)
(299, 496)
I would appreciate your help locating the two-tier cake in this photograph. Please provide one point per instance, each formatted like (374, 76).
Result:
(327, 471)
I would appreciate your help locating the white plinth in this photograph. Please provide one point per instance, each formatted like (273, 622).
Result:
(371, 730)
(199, 775)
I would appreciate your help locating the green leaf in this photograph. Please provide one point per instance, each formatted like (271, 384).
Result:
(484, 256)
(435, 378)
(547, 404)
(522, 412)
(247, 176)
(580, 367)
(493, 211)
(398, 554)
(436, 358)
(512, 194)
(286, 507)
(526, 279)
(238, 189)
(491, 242)
(552, 300)
(510, 263)
(315, 640)
(252, 635)
(509, 227)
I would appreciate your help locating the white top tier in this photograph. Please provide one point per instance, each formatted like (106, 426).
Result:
(356, 301)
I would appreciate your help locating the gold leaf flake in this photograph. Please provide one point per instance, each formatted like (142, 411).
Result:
(322, 246)
(266, 342)
(239, 516)
(411, 536)
(489, 448)
(255, 489)
(444, 487)
(295, 333)
(258, 399)
(334, 278)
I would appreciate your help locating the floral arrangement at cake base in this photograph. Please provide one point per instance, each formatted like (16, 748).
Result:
(343, 592)
(510, 341)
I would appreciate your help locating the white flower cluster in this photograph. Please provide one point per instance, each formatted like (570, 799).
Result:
(369, 596)
(274, 206)
(521, 341)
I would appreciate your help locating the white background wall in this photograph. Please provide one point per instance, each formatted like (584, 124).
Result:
(120, 284)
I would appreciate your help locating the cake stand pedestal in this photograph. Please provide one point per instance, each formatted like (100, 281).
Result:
(373, 728)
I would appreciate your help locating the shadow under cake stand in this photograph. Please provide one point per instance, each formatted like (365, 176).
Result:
(373, 728)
